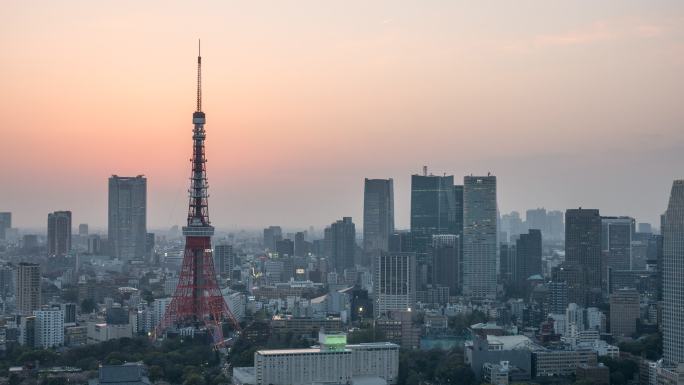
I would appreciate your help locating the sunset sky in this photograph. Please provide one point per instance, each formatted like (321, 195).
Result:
(569, 103)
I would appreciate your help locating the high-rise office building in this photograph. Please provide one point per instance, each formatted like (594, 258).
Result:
(272, 234)
(7, 285)
(401, 242)
(341, 243)
(583, 254)
(149, 244)
(507, 255)
(624, 312)
(127, 225)
(654, 253)
(644, 228)
(558, 297)
(616, 245)
(29, 243)
(5, 223)
(512, 225)
(83, 229)
(394, 282)
(673, 276)
(69, 310)
(434, 208)
(479, 236)
(555, 225)
(285, 247)
(94, 244)
(446, 262)
(301, 246)
(28, 288)
(536, 219)
(224, 259)
(59, 233)
(528, 260)
(378, 214)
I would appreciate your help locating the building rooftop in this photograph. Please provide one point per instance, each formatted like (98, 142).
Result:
(298, 351)
(511, 342)
(127, 374)
(487, 325)
(367, 380)
(318, 349)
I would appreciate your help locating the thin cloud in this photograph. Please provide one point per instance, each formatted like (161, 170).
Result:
(594, 33)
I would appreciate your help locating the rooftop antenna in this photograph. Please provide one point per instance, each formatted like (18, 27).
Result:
(199, 75)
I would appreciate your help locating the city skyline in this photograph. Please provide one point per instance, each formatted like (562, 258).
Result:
(388, 192)
(306, 101)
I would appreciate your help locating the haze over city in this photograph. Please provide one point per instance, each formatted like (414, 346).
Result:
(568, 103)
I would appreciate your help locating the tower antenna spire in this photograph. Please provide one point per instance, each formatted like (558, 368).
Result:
(199, 75)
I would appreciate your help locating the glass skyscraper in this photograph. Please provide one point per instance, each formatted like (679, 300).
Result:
(583, 254)
(127, 225)
(378, 214)
(479, 236)
(436, 209)
(59, 233)
(673, 269)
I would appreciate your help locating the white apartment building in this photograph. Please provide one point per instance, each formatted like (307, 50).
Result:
(49, 328)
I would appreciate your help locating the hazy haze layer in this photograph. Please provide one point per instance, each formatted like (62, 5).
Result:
(568, 103)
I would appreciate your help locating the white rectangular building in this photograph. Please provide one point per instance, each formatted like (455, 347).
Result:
(49, 328)
(333, 362)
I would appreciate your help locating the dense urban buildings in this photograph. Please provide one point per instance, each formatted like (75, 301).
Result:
(457, 293)
(59, 233)
(479, 236)
(127, 224)
(378, 214)
(673, 285)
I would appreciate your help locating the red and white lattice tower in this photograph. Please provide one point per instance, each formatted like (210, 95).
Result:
(198, 302)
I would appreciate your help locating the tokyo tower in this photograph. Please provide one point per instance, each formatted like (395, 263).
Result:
(197, 303)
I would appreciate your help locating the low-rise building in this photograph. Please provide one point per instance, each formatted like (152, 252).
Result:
(495, 374)
(75, 336)
(126, 374)
(101, 332)
(332, 362)
(561, 362)
(596, 375)
(305, 325)
(516, 350)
